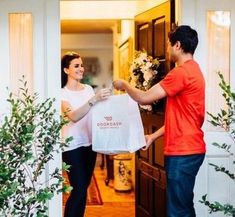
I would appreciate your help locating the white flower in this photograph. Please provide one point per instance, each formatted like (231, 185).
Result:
(146, 107)
(148, 74)
(149, 64)
(145, 83)
(155, 72)
(143, 71)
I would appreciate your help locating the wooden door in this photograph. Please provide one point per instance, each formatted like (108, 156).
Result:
(152, 28)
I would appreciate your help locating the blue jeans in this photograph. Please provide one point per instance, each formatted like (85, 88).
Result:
(181, 173)
(82, 161)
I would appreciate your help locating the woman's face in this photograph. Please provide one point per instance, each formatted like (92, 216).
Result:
(75, 70)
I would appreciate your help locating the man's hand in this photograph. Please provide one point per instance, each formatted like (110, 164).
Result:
(149, 140)
(120, 84)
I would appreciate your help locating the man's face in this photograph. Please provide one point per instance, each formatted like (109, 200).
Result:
(172, 51)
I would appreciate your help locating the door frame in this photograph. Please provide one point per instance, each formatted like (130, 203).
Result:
(46, 62)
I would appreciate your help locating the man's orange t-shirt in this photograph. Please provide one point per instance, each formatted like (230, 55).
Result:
(185, 110)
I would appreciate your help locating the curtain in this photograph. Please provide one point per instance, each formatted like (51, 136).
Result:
(20, 43)
(218, 58)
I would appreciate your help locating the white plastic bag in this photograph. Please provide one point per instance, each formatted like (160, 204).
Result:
(117, 126)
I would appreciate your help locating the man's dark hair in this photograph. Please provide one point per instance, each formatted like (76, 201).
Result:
(187, 37)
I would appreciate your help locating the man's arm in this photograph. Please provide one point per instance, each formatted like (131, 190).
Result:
(143, 97)
(151, 137)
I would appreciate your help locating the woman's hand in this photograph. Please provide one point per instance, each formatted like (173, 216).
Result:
(103, 94)
(149, 140)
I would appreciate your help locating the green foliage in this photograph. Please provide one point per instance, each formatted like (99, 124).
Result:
(227, 209)
(29, 137)
(226, 120)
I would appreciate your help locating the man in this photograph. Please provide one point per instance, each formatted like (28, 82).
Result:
(184, 147)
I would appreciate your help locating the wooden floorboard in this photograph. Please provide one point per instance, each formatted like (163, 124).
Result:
(115, 204)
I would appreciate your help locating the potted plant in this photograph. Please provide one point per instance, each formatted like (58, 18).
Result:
(226, 120)
(29, 137)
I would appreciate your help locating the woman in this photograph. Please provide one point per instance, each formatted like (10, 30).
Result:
(77, 100)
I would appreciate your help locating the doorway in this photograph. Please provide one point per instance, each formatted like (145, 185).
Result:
(94, 39)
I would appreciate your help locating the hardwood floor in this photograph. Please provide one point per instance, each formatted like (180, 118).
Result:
(115, 204)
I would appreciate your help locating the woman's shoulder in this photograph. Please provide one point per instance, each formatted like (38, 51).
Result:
(63, 90)
(88, 86)
(64, 93)
(85, 89)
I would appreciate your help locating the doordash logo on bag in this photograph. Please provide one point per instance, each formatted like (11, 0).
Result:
(109, 118)
(109, 123)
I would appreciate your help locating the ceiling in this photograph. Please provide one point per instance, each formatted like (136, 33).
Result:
(87, 26)
(90, 16)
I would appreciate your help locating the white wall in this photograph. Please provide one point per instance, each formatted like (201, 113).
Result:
(46, 61)
(86, 41)
(217, 185)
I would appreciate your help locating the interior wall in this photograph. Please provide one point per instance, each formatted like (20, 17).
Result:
(127, 30)
(121, 32)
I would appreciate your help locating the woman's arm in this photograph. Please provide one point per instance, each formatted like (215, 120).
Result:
(77, 114)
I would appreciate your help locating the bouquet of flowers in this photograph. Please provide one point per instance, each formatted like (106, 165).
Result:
(143, 71)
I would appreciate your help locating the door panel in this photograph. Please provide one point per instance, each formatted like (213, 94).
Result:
(144, 32)
(159, 200)
(144, 192)
(159, 34)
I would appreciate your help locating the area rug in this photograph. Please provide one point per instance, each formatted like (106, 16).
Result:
(93, 193)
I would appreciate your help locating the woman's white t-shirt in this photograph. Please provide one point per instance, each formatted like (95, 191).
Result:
(80, 130)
